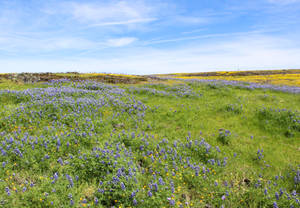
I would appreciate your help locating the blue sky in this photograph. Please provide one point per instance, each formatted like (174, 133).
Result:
(146, 37)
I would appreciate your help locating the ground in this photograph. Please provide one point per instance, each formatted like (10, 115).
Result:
(152, 142)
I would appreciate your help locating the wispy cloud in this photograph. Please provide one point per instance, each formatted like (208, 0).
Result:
(126, 22)
(192, 19)
(283, 1)
(25, 44)
(241, 52)
(119, 42)
(110, 13)
(148, 36)
(199, 37)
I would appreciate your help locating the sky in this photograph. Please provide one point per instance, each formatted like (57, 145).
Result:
(148, 36)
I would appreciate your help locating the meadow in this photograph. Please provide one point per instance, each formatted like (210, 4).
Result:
(74, 141)
(289, 77)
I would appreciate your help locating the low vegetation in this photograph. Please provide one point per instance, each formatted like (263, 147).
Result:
(76, 142)
(276, 77)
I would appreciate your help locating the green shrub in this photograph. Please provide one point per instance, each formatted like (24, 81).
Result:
(224, 136)
(234, 108)
(279, 120)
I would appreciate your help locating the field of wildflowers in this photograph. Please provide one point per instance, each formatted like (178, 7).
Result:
(274, 77)
(166, 143)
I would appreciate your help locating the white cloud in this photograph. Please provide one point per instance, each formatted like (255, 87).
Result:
(23, 43)
(119, 42)
(126, 22)
(16, 44)
(198, 37)
(111, 13)
(241, 52)
(192, 19)
(186, 52)
(283, 1)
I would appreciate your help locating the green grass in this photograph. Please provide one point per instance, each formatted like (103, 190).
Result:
(204, 112)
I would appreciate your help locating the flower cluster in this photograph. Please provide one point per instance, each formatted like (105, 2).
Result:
(88, 144)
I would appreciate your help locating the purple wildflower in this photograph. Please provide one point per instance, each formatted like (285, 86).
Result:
(277, 195)
(122, 186)
(172, 202)
(266, 191)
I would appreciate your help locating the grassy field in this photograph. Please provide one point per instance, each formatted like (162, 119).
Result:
(161, 143)
(276, 77)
